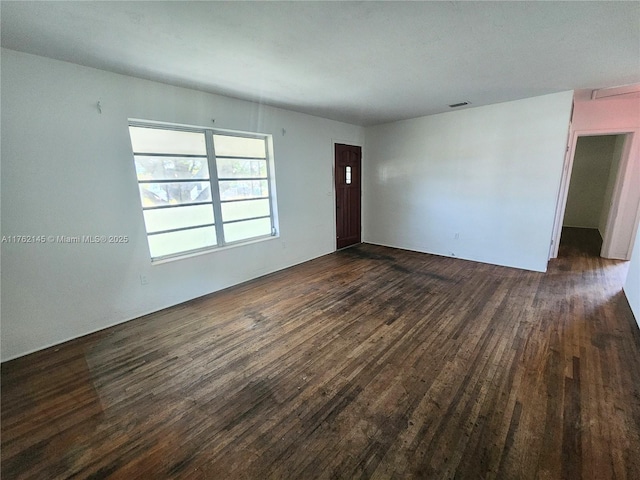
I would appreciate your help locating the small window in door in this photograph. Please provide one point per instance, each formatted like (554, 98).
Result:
(348, 175)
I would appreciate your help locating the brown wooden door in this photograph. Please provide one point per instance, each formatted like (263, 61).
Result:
(348, 195)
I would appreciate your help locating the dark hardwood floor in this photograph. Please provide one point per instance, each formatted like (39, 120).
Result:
(580, 242)
(367, 363)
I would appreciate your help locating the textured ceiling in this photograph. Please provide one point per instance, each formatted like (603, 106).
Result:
(360, 62)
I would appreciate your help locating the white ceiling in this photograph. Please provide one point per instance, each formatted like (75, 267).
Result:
(359, 62)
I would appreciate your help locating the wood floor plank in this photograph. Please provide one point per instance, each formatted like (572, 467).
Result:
(367, 363)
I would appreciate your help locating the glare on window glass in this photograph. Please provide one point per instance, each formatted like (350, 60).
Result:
(237, 231)
(182, 241)
(243, 189)
(163, 219)
(246, 209)
(167, 193)
(158, 140)
(228, 146)
(169, 168)
(241, 168)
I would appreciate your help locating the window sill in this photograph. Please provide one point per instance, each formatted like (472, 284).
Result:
(207, 251)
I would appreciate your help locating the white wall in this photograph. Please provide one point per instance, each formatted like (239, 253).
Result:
(68, 170)
(632, 284)
(489, 175)
(589, 176)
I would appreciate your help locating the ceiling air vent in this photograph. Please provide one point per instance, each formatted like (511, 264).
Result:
(461, 104)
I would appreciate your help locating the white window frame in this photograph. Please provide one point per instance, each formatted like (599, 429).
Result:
(214, 181)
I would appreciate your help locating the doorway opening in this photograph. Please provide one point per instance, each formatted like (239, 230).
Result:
(590, 197)
(598, 193)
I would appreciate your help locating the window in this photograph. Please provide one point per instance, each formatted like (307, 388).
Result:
(202, 188)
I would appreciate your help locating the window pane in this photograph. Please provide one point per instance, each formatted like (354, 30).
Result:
(170, 193)
(241, 167)
(228, 146)
(234, 232)
(179, 217)
(246, 209)
(184, 241)
(157, 140)
(167, 168)
(237, 190)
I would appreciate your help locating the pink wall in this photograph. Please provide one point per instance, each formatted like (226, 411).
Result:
(606, 113)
